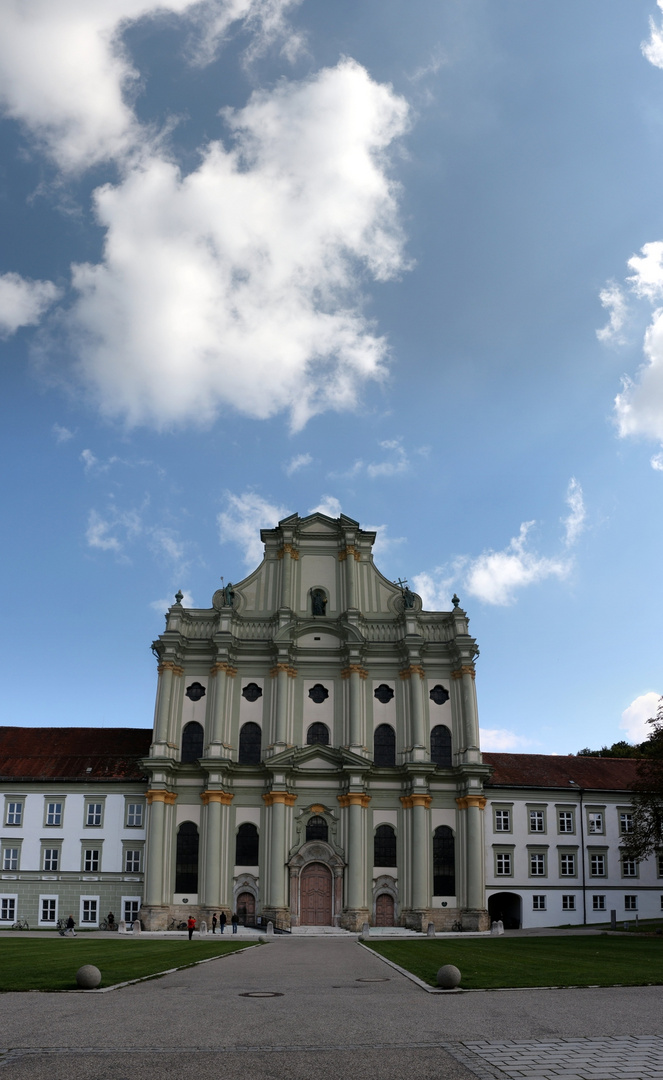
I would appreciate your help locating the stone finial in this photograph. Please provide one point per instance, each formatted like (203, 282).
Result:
(179, 596)
(455, 600)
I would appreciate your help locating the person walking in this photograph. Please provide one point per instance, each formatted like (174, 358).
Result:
(70, 926)
(191, 926)
(222, 921)
(234, 921)
(214, 922)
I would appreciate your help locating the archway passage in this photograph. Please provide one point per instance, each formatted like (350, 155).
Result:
(315, 895)
(508, 907)
(384, 910)
(246, 908)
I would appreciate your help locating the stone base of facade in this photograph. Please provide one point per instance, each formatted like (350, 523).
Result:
(280, 916)
(354, 919)
(475, 919)
(161, 917)
(445, 919)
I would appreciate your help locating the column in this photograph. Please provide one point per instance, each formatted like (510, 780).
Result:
(357, 866)
(213, 803)
(417, 706)
(287, 554)
(466, 674)
(282, 672)
(164, 694)
(420, 853)
(474, 854)
(356, 673)
(277, 801)
(157, 801)
(219, 739)
(350, 556)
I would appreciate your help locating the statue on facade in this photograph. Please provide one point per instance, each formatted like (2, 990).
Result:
(229, 594)
(318, 602)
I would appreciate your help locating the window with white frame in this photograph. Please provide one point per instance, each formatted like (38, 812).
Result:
(595, 822)
(93, 813)
(625, 822)
(537, 821)
(89, 909)
(629, 868)
(598, 903)
(14, 813)
(565, 822)
(48, 909)
(7, 908)
(134, 815)
(597, 865)
(51, 858)
(130, 909)
(503, 863)
(91, 860)
(630, 903)
(53, 814)
(537, 864)
(502, 821)
(568, 902)
(567, 865)
(538, 903)
(10, 858)
(132, 861)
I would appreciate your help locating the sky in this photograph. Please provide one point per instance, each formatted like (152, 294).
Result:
(400, 261)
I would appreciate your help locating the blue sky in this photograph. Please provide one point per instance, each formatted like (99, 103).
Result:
(403, 261)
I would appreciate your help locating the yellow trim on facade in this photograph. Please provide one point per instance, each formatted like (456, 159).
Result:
(471, 800)
(350, 550)
(159, 795)
(291, 551)
(466, 669)
(409, 801)
(354, 798)
(288, 668)
(223, 797)
(361, 671)
(168, 665)
(222, 666)
(285, 797)
(413, 669)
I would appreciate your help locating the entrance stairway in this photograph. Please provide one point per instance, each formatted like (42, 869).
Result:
(318, 931)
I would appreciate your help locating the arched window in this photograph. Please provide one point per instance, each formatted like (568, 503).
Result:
(192, 743)
(186, 863)
(440, 746)
(444, 862)
(246, 845)
(317, 733)
(318, 602)
(384, 846)
(317, 828)
(250, 738)
(384, 745)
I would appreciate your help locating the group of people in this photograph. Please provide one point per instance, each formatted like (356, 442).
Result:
(220, 921)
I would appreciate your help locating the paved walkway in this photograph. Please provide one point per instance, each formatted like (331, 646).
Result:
(339, 1011)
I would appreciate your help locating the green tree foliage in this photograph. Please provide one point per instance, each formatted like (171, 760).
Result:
(647, 834)
(618, 749)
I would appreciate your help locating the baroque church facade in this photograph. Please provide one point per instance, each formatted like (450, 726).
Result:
(315, 755)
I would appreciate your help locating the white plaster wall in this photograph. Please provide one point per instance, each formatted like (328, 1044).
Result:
(250, 710)
(187, 812)
(324, 712)
(385, 713)
(318, 571)
(194, 710)
(385, 817)
(245, 814)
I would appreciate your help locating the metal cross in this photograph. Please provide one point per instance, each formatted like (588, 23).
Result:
(402, 584)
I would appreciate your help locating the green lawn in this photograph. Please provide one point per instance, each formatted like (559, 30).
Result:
(51, 963)
(490, 963)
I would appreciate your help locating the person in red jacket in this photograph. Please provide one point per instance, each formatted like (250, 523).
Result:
(191, 926)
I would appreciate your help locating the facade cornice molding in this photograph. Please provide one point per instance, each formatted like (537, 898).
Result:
(465, 801)
(158, 795)
(464, 669)
(223, 797)
(346, 672)
(419, 799)
(222, 665)
(354, 798)
(288, 798)
(348, 551)
(413, 669)
(288, 668)
(170, 665)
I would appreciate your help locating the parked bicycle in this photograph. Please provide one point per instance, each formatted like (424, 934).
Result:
(175, 925)
(106, 925)
(21, 924)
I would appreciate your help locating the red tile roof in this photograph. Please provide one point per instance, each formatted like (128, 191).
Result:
(73, 753)
(550, 771)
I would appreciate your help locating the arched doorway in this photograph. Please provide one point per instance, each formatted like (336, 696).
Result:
(508, 907)
(384, 910)
(315, 895)
(246, 908)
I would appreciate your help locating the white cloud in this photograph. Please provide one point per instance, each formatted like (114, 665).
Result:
(635, 716)
(111, 533)
(23, 302)
(328, 505)
(653, 49)
(656, 462)
(236, 286)
(62, 434)
(613, 299)
(435, 588)
(89, 460)
(500, 740)
(65, 73)
(162, 605)
(393, 466)
(383, 542)
(297, 463)
(574, 523)
(240, 523)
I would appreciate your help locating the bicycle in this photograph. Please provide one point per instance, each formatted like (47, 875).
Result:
(175, 925)
(457, 927)
(21, 924)
(106, 925)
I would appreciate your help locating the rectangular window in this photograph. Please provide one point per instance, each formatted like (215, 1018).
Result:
(89, 911)
(131, 909)
(538, 903)
(598, 903)
(595, 823)
(14, 813)
(51, 858)
(7, 908)
(503, 863)
(537, 865)
(565, 821)
(502, 821)
(597, 865)
(536, 821)
(91, 860)
(48, 907)
(630, 903)
(629, 868)
(625, 823)
(53, 813)
(567, 865)
(132, 862)
(10, 858)
(134, 815)
(93, 813)
(659, 864)
(568, 903)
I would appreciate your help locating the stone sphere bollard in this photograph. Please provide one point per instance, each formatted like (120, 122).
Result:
(448, 977)
(88, 977)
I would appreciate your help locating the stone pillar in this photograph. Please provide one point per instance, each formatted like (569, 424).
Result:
(356, 911)
(350, 555)
(153, 912)
(275, 906)
(287, 554)
(213, 890)
(220, 735)
(475, 916)
(356, 673)
(415, 675)
(466, 674)
(166, 671)
(421, 846)
(282, 672)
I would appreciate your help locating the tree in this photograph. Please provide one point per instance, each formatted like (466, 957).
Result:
(646, 836)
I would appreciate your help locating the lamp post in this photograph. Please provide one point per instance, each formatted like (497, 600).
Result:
(582, 854)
